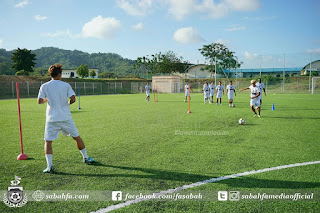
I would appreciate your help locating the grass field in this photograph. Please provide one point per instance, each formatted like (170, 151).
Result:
(137, 147)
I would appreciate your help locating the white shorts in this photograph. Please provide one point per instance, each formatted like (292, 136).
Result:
(206, 95)
(148, 93)
(230, 97)
(186, 93)
(211, 94)
(219, 95)
(260, 97)
(255, 102)
(53, 129)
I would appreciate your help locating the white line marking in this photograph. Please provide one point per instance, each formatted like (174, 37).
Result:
(192, 185)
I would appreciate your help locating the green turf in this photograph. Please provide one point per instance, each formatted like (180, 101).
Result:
(136, 148)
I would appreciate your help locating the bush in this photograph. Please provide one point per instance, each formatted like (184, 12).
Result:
(21, 72)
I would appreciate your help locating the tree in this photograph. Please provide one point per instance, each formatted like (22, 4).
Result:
(92, 73)
(161, 63)
(23, 60)
(5, 68)
(83, 71)
(220, 56)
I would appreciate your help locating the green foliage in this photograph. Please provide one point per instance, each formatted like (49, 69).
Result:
(83, 71)
(23, 59)
(6, 68)
(21, 72)
(92, 73)
(161, 63)
(106, 75)
(219, 55)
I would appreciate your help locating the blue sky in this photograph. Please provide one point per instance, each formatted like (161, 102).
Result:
(260, 32)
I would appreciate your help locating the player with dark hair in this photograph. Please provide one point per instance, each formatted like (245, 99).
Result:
(58, 115)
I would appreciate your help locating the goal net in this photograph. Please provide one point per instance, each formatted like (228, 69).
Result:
(315, 89)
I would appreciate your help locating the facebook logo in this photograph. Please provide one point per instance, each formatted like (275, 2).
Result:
(116, 195)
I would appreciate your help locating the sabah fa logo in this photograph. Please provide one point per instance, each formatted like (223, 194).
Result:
(15, 196)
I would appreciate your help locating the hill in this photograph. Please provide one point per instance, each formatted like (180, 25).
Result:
(71, 59)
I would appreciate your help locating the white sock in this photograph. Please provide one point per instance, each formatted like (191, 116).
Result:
(49, 160)
(84, 153)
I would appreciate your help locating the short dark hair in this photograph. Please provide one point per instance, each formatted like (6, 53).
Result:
(55, 69)
(230, 81)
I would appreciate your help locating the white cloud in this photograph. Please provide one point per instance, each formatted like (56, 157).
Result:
(222, 41)
(135, 7)
(250, 56)
(22, 4)
(314, 50)
(102, 28)
(63, 33)
(187, 35)
(260, 18)
(183, 8)
(236, 28)
(137, 27)
(40, 18)
(180, 8)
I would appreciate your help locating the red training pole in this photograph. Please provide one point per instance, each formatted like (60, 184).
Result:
(189, 99)
(22, 156)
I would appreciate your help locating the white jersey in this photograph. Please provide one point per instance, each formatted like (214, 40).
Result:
(254, 91)
(231, 89)
(186, 89)
(57, 92)
(147, 87)
(212, 87)
(219, 89)
(261, 87)
(206, 91)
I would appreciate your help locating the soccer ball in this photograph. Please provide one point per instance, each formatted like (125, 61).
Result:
(241, 121)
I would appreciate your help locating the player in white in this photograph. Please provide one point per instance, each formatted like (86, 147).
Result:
(206, 93)
(231, 90)
(212, 88)
(58, 115)
(219, 92)
(254, 97)
(186, 91)
(148, 88)
(260, 85)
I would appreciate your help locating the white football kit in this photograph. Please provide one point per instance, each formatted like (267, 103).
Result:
(58, 115)
(254, 91)
(147, 87)
(261, 87)
(186, 88)
(206, 92)
(219, 89)
(231, 90)
(212, 87)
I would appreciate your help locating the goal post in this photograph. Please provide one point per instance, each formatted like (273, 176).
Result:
(315, 85)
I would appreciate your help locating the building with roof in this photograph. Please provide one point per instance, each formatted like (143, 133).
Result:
(72, 73)
(313, 66)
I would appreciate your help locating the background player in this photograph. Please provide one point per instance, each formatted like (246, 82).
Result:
(212, 88)
(219, 92)
(186, 91)
(231, 90)
(147, 88)
(58, 115)
(260, 85)
(206, 93)
(254, 97)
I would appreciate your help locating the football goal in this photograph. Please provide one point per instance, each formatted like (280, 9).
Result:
(315, 89)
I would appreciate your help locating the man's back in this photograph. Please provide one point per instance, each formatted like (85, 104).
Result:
(57, 93)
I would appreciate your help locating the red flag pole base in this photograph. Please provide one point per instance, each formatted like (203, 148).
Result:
(189, 111)
(22, 157)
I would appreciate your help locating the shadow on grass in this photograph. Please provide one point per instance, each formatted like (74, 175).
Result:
(241, 182)
(152, 174)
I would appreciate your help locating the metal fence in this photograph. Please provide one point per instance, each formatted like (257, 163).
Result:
(277, 85)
